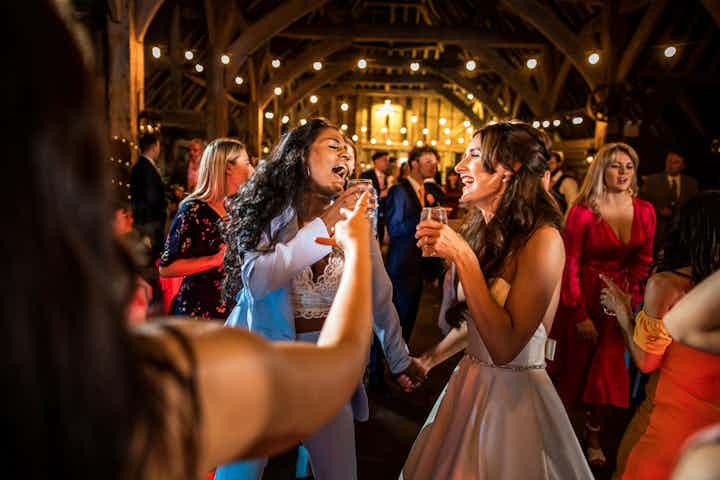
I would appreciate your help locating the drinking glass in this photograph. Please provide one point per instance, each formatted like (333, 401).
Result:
(372, 205)
(439, 214)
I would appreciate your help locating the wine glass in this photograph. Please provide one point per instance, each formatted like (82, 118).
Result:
(439, 214)
(372, 205)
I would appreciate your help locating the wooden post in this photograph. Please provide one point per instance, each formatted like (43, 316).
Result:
(176, 58)
(255, 129)
(126, 73)
(216, 109)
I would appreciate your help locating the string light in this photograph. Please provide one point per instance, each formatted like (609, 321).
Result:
(275, 63)
(413, 118)
(433, 142)
(470, 96)
(556, 123)
(156, 52)
(343, 126)
(189, 55)
(546, 123)
(199, 68)
(536, 124)
(403, 130)
(388, 142)
(313, 98)
(362, 63)
(269, 115)
(448, 141)
(225, 59)
(238, 80)
(461, 140)
(466, 123)
(344, 107)
(425, 131)
(419, 143)
(373, 141)
(593, 58)
(277, 91)
(317, 66)
(266, 149)
(470, 65)
(577, 120)
(285, 119)
(363, 129)
(387, 101)
(355, 137)
(469, 130)
(303, 121)
(446, 130)
(415, 66)
(383, 129)
(406, 142)
(670, 51)
(531, 63)
(442, 121)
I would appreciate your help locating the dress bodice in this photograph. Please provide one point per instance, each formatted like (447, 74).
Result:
(531, 356)
(313, 298)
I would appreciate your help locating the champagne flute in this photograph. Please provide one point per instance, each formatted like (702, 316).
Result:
(439, 214)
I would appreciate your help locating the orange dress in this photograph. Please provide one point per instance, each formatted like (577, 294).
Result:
(682, 397)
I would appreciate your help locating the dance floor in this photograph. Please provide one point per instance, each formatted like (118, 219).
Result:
(395, 417)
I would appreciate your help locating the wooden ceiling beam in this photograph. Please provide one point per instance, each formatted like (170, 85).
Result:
(640, 37)
(713, 7)
(314, 83)
(545, 21)
(412, 33)
(458, 103)
(300, 65)
(145, 11)
(261, 31)
(491, 103)
(510, 74)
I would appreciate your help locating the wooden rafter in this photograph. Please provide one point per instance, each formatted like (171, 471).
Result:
(543, 19)
(145, 11)
(413, 33)
(458, 103)
(300, 65)
(639, 38)
(479, 93)
(317, 81)
(510, 74)
(268, 26)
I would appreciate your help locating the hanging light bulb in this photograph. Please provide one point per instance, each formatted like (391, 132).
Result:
(470, 65)
(156, 52)
(189, 55)
(317, 66)
(285, 119)
(275, 63)
(225, 59)
(531, 63)
(362, 63)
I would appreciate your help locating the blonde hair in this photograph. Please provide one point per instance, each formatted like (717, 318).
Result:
(594, 184)
(211, 174)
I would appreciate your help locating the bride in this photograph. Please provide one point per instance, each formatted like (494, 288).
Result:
(499, 416)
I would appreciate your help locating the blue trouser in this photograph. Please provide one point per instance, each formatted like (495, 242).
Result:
(406, 298)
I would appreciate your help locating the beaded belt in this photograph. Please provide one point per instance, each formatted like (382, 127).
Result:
(512, 368)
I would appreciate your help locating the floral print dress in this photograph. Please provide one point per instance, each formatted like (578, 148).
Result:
(195, 233)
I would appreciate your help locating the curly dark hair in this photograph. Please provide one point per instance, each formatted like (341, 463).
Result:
(694, 238)
(417, 152)
(278, 183)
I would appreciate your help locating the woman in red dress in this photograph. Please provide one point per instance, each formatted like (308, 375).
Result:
(608, 231)
(683, 395)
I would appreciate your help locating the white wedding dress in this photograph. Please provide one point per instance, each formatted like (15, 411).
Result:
(498, 422)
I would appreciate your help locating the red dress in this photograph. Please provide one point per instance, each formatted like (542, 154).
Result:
(597, 373)
(682, 398)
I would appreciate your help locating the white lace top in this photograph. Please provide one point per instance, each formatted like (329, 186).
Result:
(313, 298)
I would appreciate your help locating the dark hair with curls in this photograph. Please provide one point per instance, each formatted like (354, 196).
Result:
(278, 183)
(79, 401)
(694, 238)
(525, 206)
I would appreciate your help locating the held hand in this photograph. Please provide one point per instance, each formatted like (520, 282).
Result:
(351, 232)
(346, 200)
(587, 331)
(613, 300)
(439, 240)
(413, 376)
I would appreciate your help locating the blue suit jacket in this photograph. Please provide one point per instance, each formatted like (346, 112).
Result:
(402, 214)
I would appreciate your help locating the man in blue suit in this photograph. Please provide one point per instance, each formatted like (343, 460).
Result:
(403, 206)
(380, 181)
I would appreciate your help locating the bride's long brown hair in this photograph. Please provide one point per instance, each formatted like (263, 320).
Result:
(525, 205)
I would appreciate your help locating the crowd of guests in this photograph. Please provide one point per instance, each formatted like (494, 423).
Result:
(286, 252)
